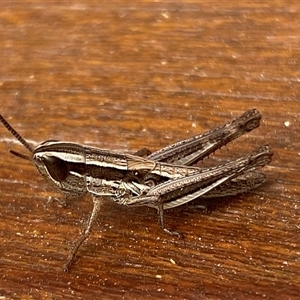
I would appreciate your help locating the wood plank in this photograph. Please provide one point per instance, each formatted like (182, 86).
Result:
(127, 75)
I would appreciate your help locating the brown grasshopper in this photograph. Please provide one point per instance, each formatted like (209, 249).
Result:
(162, 180)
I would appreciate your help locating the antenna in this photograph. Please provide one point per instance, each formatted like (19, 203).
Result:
(18, 137)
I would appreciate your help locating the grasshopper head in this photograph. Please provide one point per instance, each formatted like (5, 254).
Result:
(62, 164)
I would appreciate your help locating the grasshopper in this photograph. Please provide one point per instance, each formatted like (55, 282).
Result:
(162, 180)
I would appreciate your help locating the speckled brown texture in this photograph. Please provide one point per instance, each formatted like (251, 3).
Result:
(128, 75)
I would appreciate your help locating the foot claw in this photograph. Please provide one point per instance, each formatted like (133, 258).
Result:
(178, 234)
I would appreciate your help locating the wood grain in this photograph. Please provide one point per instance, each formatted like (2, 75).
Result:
(128, 75)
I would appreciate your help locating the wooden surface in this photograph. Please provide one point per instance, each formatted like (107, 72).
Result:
(128, 75)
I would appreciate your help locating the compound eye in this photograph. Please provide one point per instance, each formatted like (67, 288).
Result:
(56, 167)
